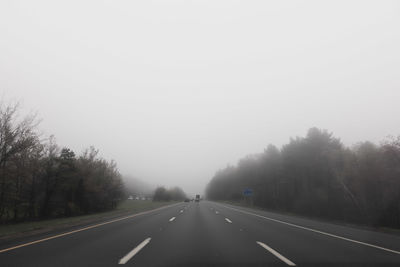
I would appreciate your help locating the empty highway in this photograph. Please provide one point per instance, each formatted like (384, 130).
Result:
(206, 234)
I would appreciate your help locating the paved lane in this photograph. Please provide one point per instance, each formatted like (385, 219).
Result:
(100, 246)
(200, 237)
(211, 234)
(308, 248)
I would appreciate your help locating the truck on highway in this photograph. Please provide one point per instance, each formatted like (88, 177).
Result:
(197, 199)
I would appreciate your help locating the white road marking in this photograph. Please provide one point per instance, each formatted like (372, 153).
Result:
(229, 221)
(316, 231)
(134, 251)
(173, 218)
(282, 258)
(84, 228)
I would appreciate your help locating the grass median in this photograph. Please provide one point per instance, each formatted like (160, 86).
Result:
(41, 226)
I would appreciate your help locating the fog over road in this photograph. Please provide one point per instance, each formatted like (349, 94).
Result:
(207, 234)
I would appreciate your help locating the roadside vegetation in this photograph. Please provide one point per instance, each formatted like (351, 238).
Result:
(40, 180)
(318, 176)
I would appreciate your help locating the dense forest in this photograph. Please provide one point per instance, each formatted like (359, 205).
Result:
(318, 176)
(38, 179)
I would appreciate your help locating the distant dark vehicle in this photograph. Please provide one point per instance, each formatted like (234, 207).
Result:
(197, 198)
(186, 200)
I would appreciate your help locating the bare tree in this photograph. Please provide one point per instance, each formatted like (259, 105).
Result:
(16, 137)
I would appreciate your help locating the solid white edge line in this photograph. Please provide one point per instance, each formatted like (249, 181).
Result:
(173, 218)
(134, 251)
(282, 258)
(229, 221)
(317, 231)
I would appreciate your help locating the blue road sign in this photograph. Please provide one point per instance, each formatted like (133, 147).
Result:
(248, 192)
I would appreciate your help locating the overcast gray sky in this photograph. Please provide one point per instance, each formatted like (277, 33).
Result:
(174, 90)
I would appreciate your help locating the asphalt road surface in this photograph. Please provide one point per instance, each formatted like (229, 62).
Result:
(206, 234)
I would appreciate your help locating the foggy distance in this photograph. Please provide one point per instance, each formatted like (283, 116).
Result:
(175, 91)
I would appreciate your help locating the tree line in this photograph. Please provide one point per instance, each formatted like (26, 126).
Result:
(174, 194)
(38, 179)
(318, 176)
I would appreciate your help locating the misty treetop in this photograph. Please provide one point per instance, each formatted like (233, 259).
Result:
(318, 176)
(39, 179)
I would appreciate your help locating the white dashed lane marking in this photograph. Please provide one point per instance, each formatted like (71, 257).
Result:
(134, 251)
(276, 254)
